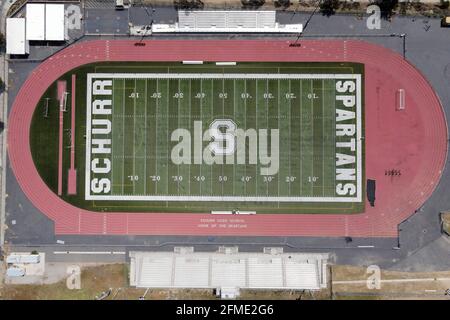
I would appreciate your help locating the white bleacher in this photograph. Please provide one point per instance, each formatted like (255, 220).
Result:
(265, 272)
(228, 269)
(214, 21)
(228, 272)
(191, 272)
(301, 273)
(156, 271)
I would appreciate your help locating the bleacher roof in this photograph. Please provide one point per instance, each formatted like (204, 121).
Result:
(217, 270)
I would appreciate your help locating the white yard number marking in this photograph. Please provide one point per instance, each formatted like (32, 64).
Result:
(290, 96)
(268, 95)
(199, 178)
(290, 179)
(134, 95)
(178, 95)
(177, 178)
(133, 178)
(156, 95)
(155, 178)
(200, 95)
(313, 179)
(312, 96)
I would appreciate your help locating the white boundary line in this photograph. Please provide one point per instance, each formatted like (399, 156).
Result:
(90, 76)
(265, 76)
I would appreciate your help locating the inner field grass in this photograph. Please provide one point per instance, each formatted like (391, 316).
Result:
(303, 111)
(141, 138)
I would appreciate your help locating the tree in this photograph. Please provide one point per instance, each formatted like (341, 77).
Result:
(188, 4)
(444, 5)
(387, 8)
(282, 3)
(329, 7)
(252, 4)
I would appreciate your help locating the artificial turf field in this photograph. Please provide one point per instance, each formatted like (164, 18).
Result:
(150, 102)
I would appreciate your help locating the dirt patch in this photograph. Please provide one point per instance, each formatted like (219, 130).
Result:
(94, 280)
(399, 285)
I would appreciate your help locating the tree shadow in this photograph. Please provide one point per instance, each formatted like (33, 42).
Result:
(252, 4)
(188, 4)
(387, 8)
(329, 7)
(284, 4)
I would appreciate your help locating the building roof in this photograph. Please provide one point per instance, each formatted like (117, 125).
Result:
(15, 36)
(35, 15)
(45, 22)
(54, 22)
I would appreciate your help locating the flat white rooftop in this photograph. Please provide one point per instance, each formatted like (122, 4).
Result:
(16, 42)
(54, 22)
(35, 15)
(45, 22)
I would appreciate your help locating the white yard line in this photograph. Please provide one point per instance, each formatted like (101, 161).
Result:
(145, 147)
(312, 136)
(223, 117)
(167, 141)
(201, 119)
(323, 140)
(212, 113)
(178, 125)
(245, 121)
(156, 134)
(290, 135)
(267, 121)
(234, 117)
(134, 136)
(278, 110)
(123, 139)
(190, 120)
(301, 136)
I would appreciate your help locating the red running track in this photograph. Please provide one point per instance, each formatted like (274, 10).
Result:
(413, 141)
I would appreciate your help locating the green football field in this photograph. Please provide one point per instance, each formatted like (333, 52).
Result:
(204, 138)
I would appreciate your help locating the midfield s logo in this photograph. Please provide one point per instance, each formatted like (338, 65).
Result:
(227, 145)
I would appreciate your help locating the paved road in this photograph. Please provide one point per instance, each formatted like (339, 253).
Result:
(421, 244)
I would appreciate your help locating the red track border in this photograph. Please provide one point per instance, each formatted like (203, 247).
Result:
(413, 141)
